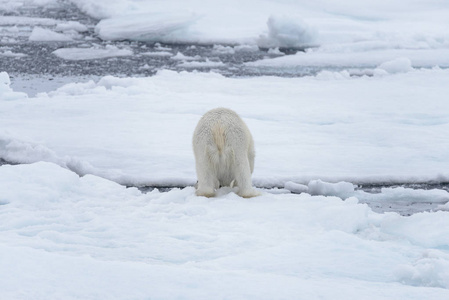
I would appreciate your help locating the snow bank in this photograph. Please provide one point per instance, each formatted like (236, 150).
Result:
(444, 207)
(399, 65)
(344, 27)
(6, 93)
(287, 33)
(296, 188)
(65, 236)
(138, 131)
(343, 34)
(145, 27)
(341, 189)
(395, 60)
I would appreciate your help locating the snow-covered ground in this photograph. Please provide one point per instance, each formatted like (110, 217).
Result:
(137, 131)
(66, 237)
(377, 112)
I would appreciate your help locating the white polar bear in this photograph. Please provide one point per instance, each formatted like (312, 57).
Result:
(224, 153)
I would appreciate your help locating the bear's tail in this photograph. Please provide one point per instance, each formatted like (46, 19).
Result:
(221, 154)
(218, 132)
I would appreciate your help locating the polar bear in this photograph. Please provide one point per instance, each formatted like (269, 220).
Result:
(224, 153)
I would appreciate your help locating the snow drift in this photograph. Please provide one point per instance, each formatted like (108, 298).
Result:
(137, 131)
(146, 27)
(65, 236)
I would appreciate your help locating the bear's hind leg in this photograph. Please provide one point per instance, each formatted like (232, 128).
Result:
(243, 177)
(207, 179)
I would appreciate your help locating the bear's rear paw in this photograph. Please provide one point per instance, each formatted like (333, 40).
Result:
(249, 193)
(205, 193)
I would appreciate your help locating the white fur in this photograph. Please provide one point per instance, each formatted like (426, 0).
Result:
(224, 153)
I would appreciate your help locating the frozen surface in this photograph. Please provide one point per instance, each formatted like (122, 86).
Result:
(364, 31)
(144, 27)
(369, 38)
(68, 237)
(344, 21)
(403, 200)
(91, 53)
(404, 59)
(137, 131)
(374, 112)
(45, 35)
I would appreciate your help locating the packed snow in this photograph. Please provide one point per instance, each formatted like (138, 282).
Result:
(377, 112)
(333, 127)
(71, 237)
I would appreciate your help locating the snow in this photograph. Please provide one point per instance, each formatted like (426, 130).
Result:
(375, 31)
(296, 187)
(347, 34)
(9, 53)
(201, 64)
(157, 54)
(345, 190)
(377, 112)
(399, 65)
(6, 93)
(339, 189)
(21, 21)
(331, 127)
(42, 29)
(46, 35)
(182, 57)
(65, 236)
(357, 59)
(287, 32)
(71, 26)
(91, 53)
(144, 27)
(444, 207)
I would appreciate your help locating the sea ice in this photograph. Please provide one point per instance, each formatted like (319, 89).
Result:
(91, 53)
(65, 236)
(399, 65)
(46, 35)
(71, 26)
(355, 129)
(145, 27)
(6, 93)
(339, 189)
(287, 33)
